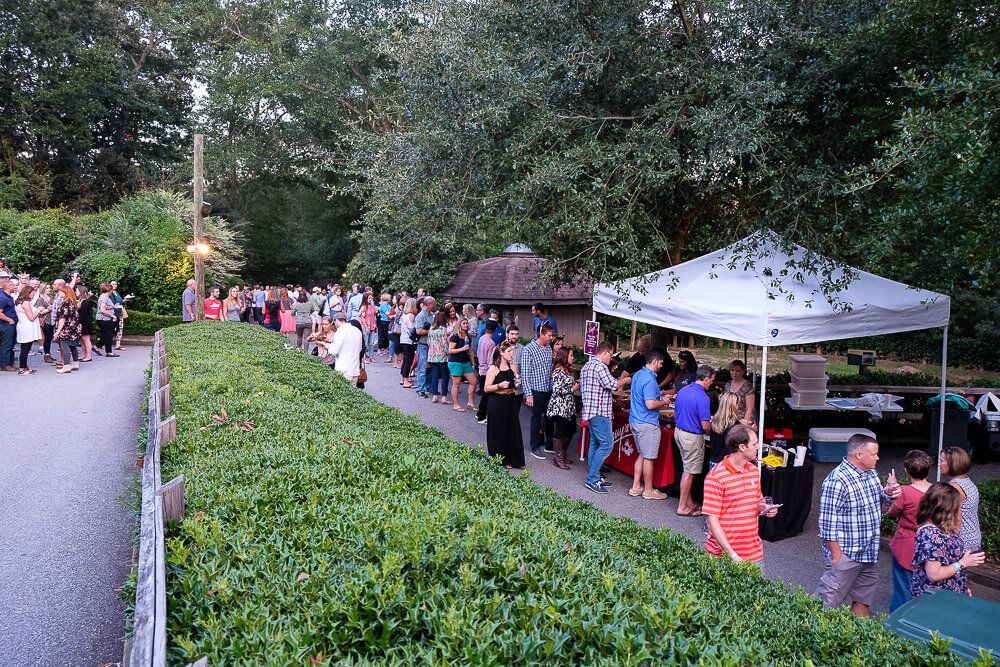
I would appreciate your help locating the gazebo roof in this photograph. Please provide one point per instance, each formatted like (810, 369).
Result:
(510, 280)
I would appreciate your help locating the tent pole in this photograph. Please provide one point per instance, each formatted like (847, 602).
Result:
(944, 376)
(760, 421)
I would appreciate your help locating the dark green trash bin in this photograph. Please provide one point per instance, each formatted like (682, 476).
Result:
(970, 623)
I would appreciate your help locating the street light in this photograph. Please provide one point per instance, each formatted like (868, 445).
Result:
(201, 248)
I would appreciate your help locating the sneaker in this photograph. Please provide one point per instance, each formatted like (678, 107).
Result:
(537, 454)
(596, 488)
(481, 421)
(548, 450)
(653, 494)
(422, 394)
(606, 484)
(112, 354)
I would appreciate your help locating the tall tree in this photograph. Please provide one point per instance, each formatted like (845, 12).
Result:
(94, 98)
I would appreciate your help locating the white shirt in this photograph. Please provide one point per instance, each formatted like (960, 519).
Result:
(346, 346)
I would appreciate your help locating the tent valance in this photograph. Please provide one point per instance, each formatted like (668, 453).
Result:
(751, 292)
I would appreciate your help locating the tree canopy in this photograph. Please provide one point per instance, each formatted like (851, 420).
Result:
(613, 136)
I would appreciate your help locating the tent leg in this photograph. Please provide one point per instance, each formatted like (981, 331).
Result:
(760, 419)
(944, 377)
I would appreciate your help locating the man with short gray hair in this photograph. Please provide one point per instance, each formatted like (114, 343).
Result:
(850, 522)
(692, 419)
(188, 302)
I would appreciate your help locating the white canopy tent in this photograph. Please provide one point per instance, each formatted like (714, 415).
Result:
(755, 291)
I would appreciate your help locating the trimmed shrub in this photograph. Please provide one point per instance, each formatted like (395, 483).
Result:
(323, 527)
(139, 323)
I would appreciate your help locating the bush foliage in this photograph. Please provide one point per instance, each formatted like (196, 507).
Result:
(141, 242)
(335, 530)
(147, 324)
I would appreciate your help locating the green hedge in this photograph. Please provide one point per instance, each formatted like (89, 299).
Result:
(139, 323)
(340, 531)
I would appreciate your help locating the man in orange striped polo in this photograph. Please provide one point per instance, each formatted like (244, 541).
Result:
(733, 500)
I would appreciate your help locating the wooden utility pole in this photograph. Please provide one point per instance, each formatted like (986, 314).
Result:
(199, 227)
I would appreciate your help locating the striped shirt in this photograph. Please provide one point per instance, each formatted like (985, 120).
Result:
(536, 368)
(850, 512)
(734, 497)
(596, 385)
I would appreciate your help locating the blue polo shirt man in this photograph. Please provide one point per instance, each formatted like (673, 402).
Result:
(692, 418)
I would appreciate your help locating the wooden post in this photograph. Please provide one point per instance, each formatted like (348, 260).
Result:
(199, 229)
(164, 398)
(164, 376)
(168, 430)
(631, 344)
(173, 499)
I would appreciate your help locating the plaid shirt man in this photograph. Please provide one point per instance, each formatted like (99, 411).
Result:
(596, 385)
(536, 368)
(850, 512)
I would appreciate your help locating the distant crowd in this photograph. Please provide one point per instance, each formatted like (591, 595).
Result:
(56, 321)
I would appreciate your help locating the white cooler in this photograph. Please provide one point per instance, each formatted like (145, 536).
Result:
(829, 445)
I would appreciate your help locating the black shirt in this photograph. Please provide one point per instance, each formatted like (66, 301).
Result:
(635, 363)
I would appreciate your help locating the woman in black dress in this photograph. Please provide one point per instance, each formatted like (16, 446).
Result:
(503, 425)
(86, 312)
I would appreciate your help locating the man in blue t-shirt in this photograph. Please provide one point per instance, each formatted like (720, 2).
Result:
(354, 303)
(499, 335)
(541, 316)
(644, 421)
(692, 419)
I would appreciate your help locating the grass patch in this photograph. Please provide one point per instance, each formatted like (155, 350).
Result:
(340, 531)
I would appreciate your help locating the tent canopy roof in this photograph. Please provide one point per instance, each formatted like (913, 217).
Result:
(752, 292)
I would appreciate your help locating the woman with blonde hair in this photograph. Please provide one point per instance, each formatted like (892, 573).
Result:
(939, 554)
(725, 417)
(68, 331)
(232, 308)
(407, 341)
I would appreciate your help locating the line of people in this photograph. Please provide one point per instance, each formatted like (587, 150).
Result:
(438, 350)
(37, 316)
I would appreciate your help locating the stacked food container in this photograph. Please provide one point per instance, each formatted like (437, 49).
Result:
(808, 382)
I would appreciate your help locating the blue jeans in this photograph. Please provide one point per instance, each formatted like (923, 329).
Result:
(371, 343)
(901, 578)
(439, 379)
(8, 332)
(422, 383)
(600, 447)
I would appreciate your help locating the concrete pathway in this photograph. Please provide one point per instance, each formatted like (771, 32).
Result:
(67, 457)
(797, 561)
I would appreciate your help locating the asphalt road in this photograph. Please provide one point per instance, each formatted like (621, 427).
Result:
(798, 561)
(67, 457)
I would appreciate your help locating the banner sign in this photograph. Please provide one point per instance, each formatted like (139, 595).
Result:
(591, 338)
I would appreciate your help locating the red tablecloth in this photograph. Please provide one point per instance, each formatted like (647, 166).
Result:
(624, 452)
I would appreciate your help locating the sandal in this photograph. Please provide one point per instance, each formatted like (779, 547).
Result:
(471, 407)
(444, 401)
(694, 512)
(458, 408)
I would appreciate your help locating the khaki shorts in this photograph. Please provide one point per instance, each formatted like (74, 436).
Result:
(692, 446)
(647, 439)
(846, 582)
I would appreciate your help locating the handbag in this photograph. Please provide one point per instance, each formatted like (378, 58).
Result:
(363, 376)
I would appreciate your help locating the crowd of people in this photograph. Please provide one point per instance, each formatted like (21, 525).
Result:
(442, 350)
(36, 317)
